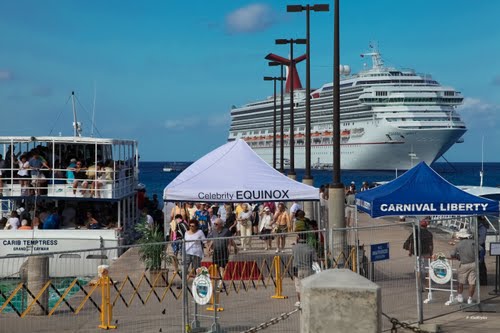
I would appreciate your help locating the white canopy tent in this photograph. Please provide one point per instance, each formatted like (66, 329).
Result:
(235, 173)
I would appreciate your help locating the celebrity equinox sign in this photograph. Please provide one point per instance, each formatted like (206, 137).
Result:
(245, 195)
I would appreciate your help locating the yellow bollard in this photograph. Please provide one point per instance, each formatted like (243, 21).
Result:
(213, 270)
(106, 307)
(279, 279)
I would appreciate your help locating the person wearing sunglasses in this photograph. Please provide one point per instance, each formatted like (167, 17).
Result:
(194, 240)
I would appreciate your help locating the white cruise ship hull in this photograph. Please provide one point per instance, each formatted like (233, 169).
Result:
(375, 151)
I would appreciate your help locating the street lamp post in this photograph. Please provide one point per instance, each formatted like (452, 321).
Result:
(274, 79)
(282, 122)
(291, 135)
(308, 179)
(336, 204)
(307, 9)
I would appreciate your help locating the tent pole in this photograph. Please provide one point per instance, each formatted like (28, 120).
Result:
(476, 246)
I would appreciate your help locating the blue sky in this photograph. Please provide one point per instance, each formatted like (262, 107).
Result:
(167, 73)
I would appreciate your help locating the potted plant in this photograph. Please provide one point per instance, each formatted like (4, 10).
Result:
(152, 252)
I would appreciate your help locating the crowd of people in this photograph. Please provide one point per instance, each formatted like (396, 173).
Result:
(34, 170)
(46, 215)
(214, 229)
(269, 220)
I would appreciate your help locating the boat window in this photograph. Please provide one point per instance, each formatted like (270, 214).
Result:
(70, 255)
(97, 256)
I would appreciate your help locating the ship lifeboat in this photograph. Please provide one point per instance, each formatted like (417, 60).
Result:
(327, 133)
(345, 135)
(316, 134)
(357, 132)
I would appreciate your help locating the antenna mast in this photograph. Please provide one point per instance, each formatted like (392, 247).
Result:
(93, 111)
(481, 173)
(76, 125)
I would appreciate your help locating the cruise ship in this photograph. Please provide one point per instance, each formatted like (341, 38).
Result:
(390, 119)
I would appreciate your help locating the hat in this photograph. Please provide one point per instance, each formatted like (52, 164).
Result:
(463, 233)
(73, 160)
(352, 183)
(266, 209)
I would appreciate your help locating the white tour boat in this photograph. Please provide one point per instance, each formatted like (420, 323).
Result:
(110, 196)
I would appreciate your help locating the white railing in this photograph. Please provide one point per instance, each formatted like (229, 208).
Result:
(54, 184)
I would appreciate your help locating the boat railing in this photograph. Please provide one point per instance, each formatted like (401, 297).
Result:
(111, 184)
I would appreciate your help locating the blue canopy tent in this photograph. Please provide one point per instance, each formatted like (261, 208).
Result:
(421, 191)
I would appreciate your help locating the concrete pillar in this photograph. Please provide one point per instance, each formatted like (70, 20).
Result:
(294, 177)
(339, 300)
(308, 205)
(38, 275)
(336, 219)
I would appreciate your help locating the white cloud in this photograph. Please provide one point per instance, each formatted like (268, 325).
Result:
(5, 75)
(252, 18)
(477, 113)
(477, 105)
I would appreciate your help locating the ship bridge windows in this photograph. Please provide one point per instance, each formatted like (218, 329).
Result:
(381, 93)
(449, 93)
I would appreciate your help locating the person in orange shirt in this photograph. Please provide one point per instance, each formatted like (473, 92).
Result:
(25, 225)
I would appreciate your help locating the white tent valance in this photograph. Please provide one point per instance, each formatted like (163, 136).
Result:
(235, 173)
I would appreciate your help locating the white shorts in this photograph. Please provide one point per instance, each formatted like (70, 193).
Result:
(349, 211)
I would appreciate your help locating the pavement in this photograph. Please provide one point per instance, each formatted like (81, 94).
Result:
(248, 303)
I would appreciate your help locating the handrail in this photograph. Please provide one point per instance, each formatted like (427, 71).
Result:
(122, 180)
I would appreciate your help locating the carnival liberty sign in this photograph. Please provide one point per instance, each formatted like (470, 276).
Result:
(431, 207)
(245, 195)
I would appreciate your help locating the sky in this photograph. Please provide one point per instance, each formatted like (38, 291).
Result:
(166, 73)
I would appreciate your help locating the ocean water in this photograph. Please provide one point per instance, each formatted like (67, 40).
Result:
(152, 175)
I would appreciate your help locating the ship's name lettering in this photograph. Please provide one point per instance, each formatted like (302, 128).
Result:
(30, 242)
(431, 207)
(262, 194)
(245, 195)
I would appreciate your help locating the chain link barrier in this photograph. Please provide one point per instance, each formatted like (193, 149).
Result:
(272, 321)
(395, 323)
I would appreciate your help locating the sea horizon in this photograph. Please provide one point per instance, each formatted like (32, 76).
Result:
(458, 173)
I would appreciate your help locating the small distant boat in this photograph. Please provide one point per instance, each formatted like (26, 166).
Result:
(175, 166)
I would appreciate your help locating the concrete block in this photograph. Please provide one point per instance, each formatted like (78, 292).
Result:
(339, 300)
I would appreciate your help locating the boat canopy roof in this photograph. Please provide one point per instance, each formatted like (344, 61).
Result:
(65, 139)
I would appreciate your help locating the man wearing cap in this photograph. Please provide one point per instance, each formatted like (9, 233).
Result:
(219, 247)
(350, 207)
(427, 246)
(465, 251)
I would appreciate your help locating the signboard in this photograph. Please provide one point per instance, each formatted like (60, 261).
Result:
(379, 252)
(494, 249)
(440, 270)
(202, 286)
